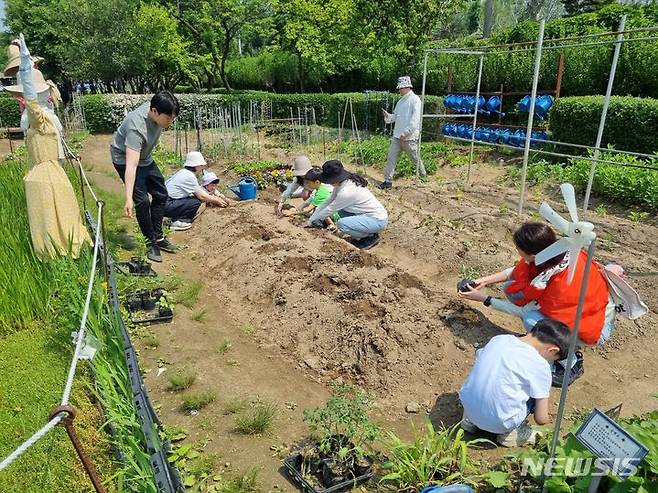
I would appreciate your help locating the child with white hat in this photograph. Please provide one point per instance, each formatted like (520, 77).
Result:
(186, 195)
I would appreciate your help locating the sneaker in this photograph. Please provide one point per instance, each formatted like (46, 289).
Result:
(180, 226)
(367, 243)
(154, 254)
(166, 245)
(467, 425)
(385, 185)
(523, 435)
(577, 371)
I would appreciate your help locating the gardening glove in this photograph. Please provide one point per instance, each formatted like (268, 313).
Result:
(29, 92)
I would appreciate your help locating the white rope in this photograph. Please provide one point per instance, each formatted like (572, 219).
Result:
(85, 312)
(71, 155)
(31, 441)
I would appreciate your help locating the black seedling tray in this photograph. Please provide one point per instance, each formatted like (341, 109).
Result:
(137, 266)
(293, 467)
(145, 301)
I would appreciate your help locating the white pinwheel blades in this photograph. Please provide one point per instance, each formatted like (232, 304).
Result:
(579, 234)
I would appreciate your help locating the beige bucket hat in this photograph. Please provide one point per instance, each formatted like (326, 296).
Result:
(301, 165)
(14, 60)
(40, 84)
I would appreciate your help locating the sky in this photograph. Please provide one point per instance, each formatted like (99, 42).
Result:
(2, 15)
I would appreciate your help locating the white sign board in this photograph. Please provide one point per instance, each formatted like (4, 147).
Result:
(611, 443)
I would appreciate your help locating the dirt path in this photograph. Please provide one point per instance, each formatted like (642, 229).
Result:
(388, 319)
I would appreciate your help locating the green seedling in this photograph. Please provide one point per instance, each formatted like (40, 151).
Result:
(225, 346)
(180, 381)
(196, 401)
(256, 420)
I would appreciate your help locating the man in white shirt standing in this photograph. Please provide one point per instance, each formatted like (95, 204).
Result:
(406, 132)
(186, 194)
(510, 380)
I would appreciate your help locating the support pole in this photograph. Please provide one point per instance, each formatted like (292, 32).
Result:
(475, 120)
(604, 111)
(422, 112)
(572, 348)
(531, 113)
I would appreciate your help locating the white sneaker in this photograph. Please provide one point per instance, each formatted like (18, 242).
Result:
(523, 435)
(180, 226)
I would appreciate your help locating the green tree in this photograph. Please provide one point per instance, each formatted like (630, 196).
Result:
(214, 25)
(325, 36)
(159, 52)
(404, 28)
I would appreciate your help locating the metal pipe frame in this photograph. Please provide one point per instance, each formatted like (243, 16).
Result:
(531, 112)
(475, 119)
(572, 349)
(604, 111)
(422, 113)
(556, 154)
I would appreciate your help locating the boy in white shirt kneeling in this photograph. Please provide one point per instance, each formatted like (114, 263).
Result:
(186, 195)
(510, 380)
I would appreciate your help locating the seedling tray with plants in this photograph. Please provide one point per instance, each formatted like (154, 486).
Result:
(316, 475)
(337, 456)
(147, 306)
(137, 266)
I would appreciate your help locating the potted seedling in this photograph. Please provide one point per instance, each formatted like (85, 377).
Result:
(337, 456)
(149, 306)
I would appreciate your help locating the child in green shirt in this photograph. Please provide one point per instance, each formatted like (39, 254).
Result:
(321, 192)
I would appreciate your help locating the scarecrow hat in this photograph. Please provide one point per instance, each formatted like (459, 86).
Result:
(39, 82)
(194, 159)
(14, 60)
(404, 81)
(208, 178)
(301, 165)
(333, 172)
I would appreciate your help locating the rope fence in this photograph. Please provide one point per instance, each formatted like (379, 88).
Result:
(167, 478)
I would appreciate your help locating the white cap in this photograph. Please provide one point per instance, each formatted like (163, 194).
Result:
(404, 81)
(194, 159)
(208, 178)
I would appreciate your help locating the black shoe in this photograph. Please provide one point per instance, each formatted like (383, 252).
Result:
(154, 254)
(385, 185)
(576, 372)
(367, 243)
(167, 246)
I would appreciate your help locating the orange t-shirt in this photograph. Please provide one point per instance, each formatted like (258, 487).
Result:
(559, 300)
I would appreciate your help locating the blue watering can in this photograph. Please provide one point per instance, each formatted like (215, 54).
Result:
(524, 104)
(245, 189)
(453, 488)
(504, 135)
(543, 104)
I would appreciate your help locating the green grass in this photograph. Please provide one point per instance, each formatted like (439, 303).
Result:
(245, 483)
(33, 365)
(200, 315)
(256, 420)
(234, 406)
(225, 346)
(36, 298)
(151, 340)
(195, 401)
(188, 294)
(248, 329)
(180, 381)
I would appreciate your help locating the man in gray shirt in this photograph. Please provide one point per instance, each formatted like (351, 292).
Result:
(131, 149)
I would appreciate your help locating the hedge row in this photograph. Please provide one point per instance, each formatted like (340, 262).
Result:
(105, 112)
(585, 72)
(631, 123)
(10, 115)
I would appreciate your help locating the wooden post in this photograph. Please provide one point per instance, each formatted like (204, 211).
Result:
(500, 113)
(560, 73)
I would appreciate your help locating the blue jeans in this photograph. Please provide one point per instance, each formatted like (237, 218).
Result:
(359, 226)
